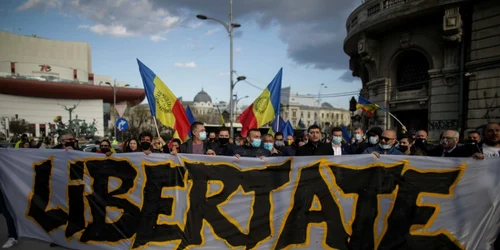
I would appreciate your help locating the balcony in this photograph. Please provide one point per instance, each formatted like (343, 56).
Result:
(375, 15)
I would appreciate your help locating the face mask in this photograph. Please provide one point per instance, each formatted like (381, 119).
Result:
(237, 143)
(223, 141)
(280, 144)
(268, 146)
(420, 143)
(256, 143)
(385, 147)
(470, 142)
(357, 137)
(202, 136)
(373, 140)
(290, 142)
(403, 148)
(69, 144)
(105, 150)
(336, 140)
(145, 145)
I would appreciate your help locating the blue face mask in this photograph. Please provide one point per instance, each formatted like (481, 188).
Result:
(268, 146)
(357, 137)
(237, 143)
(385, 147)
(202, 136)
(280, 144)
(373, 140)
(337, 140)
(256, 143)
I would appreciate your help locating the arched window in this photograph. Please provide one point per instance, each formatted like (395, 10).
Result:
(412, 71)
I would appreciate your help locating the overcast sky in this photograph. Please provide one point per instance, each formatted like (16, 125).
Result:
(303, 37)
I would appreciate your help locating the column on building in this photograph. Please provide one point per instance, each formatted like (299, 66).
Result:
(37, 129)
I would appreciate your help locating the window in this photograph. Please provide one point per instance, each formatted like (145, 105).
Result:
(342, 117)
(322, 115)
(308, 114)
(315, 115)
(294, 113)
(327, 115)
(337, 117)
(412, 71)
(301, 114)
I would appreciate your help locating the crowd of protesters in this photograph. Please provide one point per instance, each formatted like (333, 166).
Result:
(302, 143)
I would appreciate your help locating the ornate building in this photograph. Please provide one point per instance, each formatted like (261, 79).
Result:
(295, 107)
(433, 64)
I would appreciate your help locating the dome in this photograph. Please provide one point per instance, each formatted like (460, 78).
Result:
(326, 105)
(202, 97)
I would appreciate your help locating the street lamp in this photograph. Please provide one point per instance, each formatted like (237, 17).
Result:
(114, 99)
(229, 28)
(319, 101)
(236, 100)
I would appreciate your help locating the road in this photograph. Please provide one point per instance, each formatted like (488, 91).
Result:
(24, 244)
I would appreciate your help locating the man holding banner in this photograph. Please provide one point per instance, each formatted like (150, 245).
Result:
(314, 146)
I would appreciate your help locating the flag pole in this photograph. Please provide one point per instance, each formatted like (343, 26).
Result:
(156, 125)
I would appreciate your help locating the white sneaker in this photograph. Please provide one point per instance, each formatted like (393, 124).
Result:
(10, 243)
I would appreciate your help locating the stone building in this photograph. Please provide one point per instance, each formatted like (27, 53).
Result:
(433, 64)
(295, 107)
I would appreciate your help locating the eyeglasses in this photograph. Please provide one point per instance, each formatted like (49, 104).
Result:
(382, 138)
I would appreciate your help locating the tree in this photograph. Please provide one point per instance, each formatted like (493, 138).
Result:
(19, 126)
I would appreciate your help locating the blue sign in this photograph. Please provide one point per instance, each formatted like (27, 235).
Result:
(121, 124)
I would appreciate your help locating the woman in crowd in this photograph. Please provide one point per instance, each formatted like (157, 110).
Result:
(131, 145)
(26, 144)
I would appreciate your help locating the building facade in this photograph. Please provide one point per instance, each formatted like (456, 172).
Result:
(295, 107)
(437, 67)
(42, 78)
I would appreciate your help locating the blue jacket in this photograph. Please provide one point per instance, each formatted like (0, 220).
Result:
(378, 149)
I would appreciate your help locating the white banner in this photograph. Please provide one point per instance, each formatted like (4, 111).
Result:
(130, 201)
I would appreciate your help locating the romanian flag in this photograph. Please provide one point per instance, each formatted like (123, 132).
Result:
(163, 103)
(367, 106)
(265, 108)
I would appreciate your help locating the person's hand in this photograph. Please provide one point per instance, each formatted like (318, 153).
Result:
(109, 153)
(237, 156)
(478, 156)
(262, 158)
(274, 151)
(68, 148)
(210, 152)
(173, 151)
(376, 154)
(147, 152)
(301, 144)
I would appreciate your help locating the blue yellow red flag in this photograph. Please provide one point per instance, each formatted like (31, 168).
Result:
(163, 104)
(367, 106)
(265, 108)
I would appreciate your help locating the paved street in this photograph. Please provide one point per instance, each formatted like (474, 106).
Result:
(24, 244)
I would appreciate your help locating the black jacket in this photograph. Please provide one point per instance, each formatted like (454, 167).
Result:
(357, 148)
(459, 151)
(225, 150)
(315, 149)
(249, 151)
(346, 149)
(187, 147)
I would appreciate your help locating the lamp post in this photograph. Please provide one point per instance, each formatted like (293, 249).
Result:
(319, 102)
(114, 100)
(236, 100)
(229, 28)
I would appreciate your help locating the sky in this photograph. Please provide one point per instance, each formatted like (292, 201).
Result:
(305, 38)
